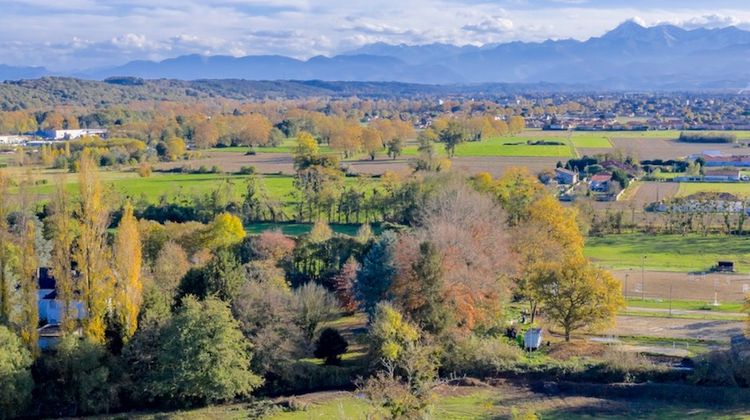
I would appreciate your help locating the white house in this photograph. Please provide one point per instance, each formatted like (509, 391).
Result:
(50, 308)
(72, 134)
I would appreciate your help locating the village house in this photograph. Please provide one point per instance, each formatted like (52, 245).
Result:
(600, 182)
(566, 176)
(51, 309)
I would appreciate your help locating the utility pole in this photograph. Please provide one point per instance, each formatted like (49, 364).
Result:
(627, 274)
(643, 277)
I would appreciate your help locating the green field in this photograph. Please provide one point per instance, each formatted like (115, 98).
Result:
(129, 184)
(689, 188)
(592, 142)
(682, 253)
(298, 229)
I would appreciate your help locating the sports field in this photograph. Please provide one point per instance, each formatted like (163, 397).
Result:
(682, 253)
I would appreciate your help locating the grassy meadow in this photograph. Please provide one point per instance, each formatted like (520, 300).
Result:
(680, 253)
(689, 188)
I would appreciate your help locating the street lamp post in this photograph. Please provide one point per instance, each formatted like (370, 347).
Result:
(643, 277)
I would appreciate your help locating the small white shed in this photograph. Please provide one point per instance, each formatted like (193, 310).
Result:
(532, 340)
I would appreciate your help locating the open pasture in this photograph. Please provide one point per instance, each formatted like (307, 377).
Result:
(677, 253)
(689, 188)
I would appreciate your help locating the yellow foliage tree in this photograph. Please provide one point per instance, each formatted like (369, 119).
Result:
(63, 235)
(127, 272)
(575, 295)
(29, 263)
(225, 230)
(91, 251)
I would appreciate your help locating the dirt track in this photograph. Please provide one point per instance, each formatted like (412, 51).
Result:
(677, 328)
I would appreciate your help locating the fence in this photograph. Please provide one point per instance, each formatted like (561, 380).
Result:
(707, 287)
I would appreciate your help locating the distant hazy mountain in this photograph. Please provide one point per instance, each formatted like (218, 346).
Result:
(628, 57)
(14, 73)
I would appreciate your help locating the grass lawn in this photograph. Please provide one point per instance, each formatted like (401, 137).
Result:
(593, 142)
(688, 188)
(688, 305)
(298, 229)
(669, 252)
(159, 184)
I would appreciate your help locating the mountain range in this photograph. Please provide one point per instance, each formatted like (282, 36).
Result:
(630, 56)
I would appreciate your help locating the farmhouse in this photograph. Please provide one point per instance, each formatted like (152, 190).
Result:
(714, 161)
(71, 134)
(565, 176)
(726, 175)
(600, 182)
(51, 309)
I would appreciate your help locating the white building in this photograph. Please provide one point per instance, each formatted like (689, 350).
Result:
(11, 140)
(72, 134)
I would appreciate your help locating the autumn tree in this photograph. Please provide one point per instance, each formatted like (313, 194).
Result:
(516, 125)
(516, 190)
(169, 268)
(29, 263)
(206, 134)
(575, 295)
(9, 254)
(91, 252)
(371, 142)
(127, 272)
(175, 148)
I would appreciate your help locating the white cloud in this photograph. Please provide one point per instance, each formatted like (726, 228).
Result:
(87, 33)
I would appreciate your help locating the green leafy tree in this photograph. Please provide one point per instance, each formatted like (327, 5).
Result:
(16, 382)
(453, 135)
(204, 358)
(222, 277)
(77, 378)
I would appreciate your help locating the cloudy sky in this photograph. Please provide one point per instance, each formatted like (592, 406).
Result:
(75, 34)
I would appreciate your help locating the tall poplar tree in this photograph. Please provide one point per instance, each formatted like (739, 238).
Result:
(127, 272)
(8, 255)
(91, 252)
(29, 307)
(62, 238)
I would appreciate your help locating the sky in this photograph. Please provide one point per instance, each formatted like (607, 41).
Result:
(66, 35)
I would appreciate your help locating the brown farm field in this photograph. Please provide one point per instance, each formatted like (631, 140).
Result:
(730, 288)
(655, 148)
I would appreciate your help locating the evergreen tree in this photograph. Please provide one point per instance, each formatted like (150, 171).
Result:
(375, 276)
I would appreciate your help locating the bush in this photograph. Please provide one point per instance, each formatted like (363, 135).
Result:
(480, 356)
(144, 170)
(707, 138)
(15, 375)
(330, 346)
(247, 170)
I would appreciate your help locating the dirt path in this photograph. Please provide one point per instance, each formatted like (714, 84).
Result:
(700, 329)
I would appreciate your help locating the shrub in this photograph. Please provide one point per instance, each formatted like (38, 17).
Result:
(144, 170)
(247, 170)
(330, 346)
(480, 356)
(15, 375)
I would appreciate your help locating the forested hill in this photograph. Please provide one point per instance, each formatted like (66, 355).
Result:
(55, 91)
